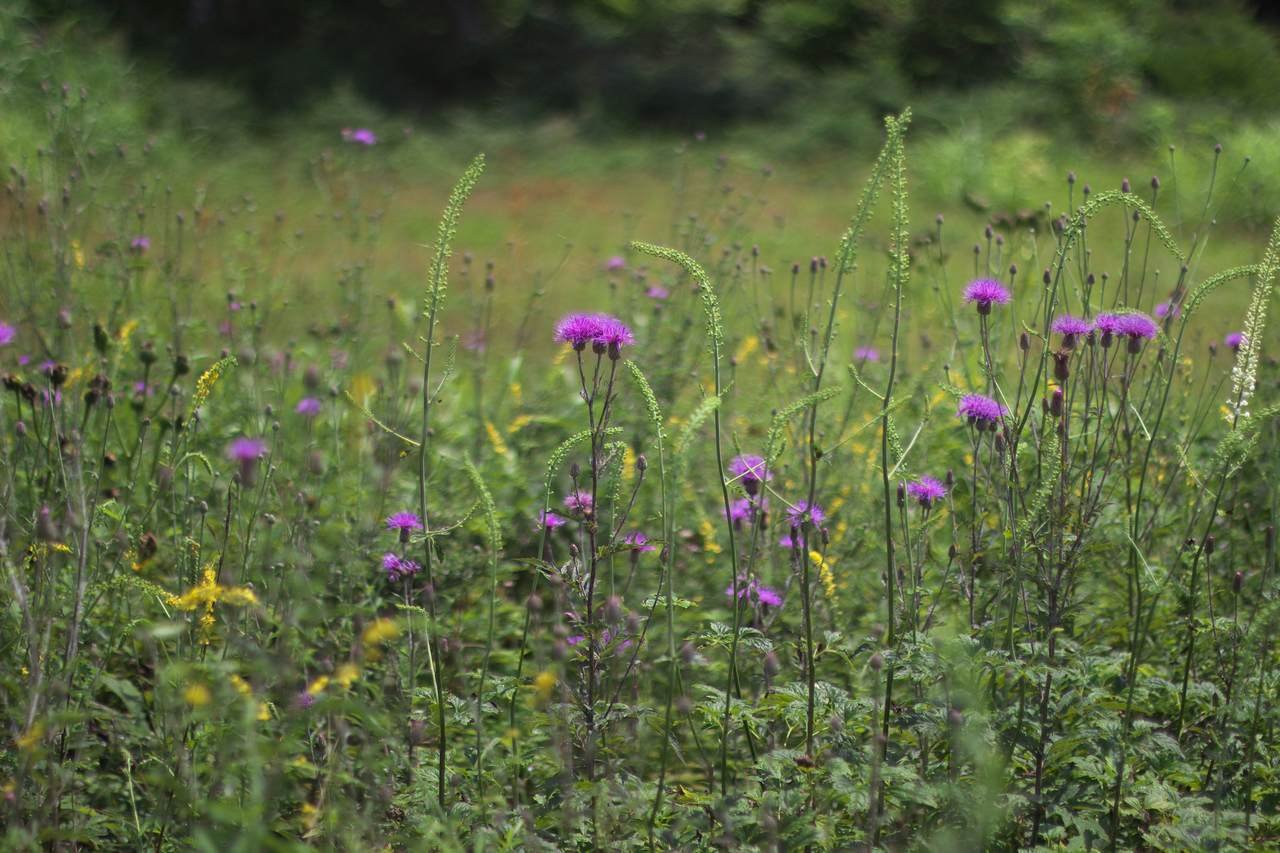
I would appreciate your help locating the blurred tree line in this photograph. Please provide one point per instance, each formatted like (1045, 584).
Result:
(683, 63)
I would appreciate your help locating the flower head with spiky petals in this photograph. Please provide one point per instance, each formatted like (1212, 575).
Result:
(7, 334)
(751, 470)
(551, 521)
(578, 330)
(1234, 340)
(1071, 327)
(926, 491)
(802, 511)
(981, 410)
(404, 521)
(866, 354)
(308, 407)
(985, 292)
(755, 593)
(580, 502)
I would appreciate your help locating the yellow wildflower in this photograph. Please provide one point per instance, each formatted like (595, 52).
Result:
(517, 393)
(748, 346)
(204, 385)
(346, 675)
(77, 254)
(544, 682)
(240, 685)
(31, 738)
(495, 438)
(317, 687)
(628, 463)
(207, 593)
(197, 695)
(707, 530)
(264, 711)
(518, 423)
(825, 574)
(381, 631)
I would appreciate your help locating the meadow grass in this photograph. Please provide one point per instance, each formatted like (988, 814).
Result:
(649, 497)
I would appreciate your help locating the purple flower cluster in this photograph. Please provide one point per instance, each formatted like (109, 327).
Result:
(866, 354)
(755, 593)
(579, 502)
(926, 490)
(605, 333)
(7, 334)
(398, 567)
(404, 522)
(985, 292)
(744, 509)
(1134, 326)
(1234, 340)
(551, 521)
(246, 452)
(140, 244)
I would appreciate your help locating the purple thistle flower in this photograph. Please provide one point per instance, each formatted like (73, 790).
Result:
(1168, 309)
(579, 502)
(1071, 328)
(788, 541)
(980, 410)
(986, 292)
(247, 452)
(801, 512)
(578, 330)
(613, 335)
(866, 354)
(639, 542)
(551, 521)
(405, 522)
(755, 593)
(140, 244)
(1134, 326)
(399, 568)
(615, 263)
(304, 700)
(751, 470)
(1234, 340)
(246, 449)
(926, 490)
(308, 407)
(744, 509)
(657, 292)
(7, 334)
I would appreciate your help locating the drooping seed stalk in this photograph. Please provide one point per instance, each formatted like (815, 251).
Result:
(437, 281)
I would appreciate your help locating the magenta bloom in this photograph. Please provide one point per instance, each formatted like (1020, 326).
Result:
(578, 330)
(247, 452)
(1234, 340)
(613, 335)
(308, 407)
(579, 502)
(788, 541)
(551, 521)
(801, 512)
(926, 490)
(615, 263)
(639, 542)
(1168, 309)
(602, 331)
(986, 292)
(246, 449)
(865, 354)
(1136, 327)
(398, 568)
(755, 593)
(657, 292)
(404, 522)
(751, 470)
(140, 244)
(980, 410)
(7, 334)
(359, 136)
(744, 509)
(1071, 327)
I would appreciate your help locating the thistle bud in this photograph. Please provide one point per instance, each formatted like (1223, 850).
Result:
(1237, 582)
(1210, 544)
(876, 662)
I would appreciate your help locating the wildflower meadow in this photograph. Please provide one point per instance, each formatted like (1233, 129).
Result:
(933, 538)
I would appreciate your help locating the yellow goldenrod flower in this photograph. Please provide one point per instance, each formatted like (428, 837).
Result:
(264, 711)
(317, 687)
(240, 685)
(517, 393)
(518, 423)
(748, 346)
(204, 385)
